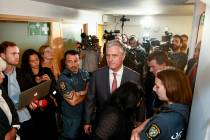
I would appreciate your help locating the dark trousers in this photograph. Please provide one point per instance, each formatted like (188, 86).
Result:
(25, 131)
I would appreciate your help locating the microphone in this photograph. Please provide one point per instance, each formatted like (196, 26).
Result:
(41, 103)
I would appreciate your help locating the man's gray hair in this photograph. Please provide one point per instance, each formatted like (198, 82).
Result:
(116, 43)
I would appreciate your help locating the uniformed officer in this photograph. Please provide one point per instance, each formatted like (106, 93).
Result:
(172, 87)
(73, 83)
(169, 124)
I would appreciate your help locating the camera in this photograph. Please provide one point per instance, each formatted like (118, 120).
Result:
(168, 36)
(110, 35)
(88, 41)
(167, 39)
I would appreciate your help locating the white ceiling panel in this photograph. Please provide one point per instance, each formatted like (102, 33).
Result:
(130, 7)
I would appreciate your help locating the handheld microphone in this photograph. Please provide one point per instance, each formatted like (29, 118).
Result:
(41, 103)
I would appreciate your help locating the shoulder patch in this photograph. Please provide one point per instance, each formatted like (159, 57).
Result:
(153, 131)
(62, 86)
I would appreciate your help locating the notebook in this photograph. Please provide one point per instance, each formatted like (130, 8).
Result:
(36, 92)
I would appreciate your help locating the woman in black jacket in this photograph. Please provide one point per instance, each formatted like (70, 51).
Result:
(117, 119)
(43, 117)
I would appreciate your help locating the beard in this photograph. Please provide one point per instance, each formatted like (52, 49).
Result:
(74, 69)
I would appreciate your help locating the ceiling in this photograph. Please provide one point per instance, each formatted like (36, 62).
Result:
(130, 7)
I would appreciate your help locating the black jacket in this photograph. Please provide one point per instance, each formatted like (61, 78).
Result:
(113, 124)
(4, 122)
(20, 79)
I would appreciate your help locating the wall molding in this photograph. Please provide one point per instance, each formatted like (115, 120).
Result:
(18, 18)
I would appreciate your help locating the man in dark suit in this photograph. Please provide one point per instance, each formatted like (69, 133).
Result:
(105, 80)
(9, 121)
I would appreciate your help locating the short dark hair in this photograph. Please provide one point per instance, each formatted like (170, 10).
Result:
(160, 57)
(70, 52)
(4, 45)
(178, 36)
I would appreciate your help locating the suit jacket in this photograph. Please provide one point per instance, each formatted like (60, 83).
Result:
(99, 89)
(20, 79)
(4, 122)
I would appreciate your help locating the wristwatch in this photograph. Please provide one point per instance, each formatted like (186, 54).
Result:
(17, 127)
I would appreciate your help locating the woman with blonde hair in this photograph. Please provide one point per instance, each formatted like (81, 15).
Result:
(47, 60)
(172, 87)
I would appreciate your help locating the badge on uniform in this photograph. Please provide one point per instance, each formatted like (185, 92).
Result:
(62, 86)
(153, 131)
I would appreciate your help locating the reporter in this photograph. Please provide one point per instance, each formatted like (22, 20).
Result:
(172, 87)
(43, 118)
(9, 121)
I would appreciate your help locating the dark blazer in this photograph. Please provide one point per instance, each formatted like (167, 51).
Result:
(20, 78)
(99, 89)
(4, 122)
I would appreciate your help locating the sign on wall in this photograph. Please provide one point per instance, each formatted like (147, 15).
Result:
(38, 28)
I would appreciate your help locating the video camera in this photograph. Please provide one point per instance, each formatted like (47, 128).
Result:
(168, 36)
(110, 35)
(88, 40)
(167, 39)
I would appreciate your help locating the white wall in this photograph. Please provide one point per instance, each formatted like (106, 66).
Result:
(38, 9)
(72, 31)
(175, 24)
(200, 113)
(196, 35)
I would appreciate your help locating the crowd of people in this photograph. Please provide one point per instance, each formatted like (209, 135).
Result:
(124, 93)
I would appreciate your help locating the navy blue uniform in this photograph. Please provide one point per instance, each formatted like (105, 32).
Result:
(169, 124)
(72, 115)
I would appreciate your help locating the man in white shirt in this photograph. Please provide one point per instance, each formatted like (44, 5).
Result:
(12, 82)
